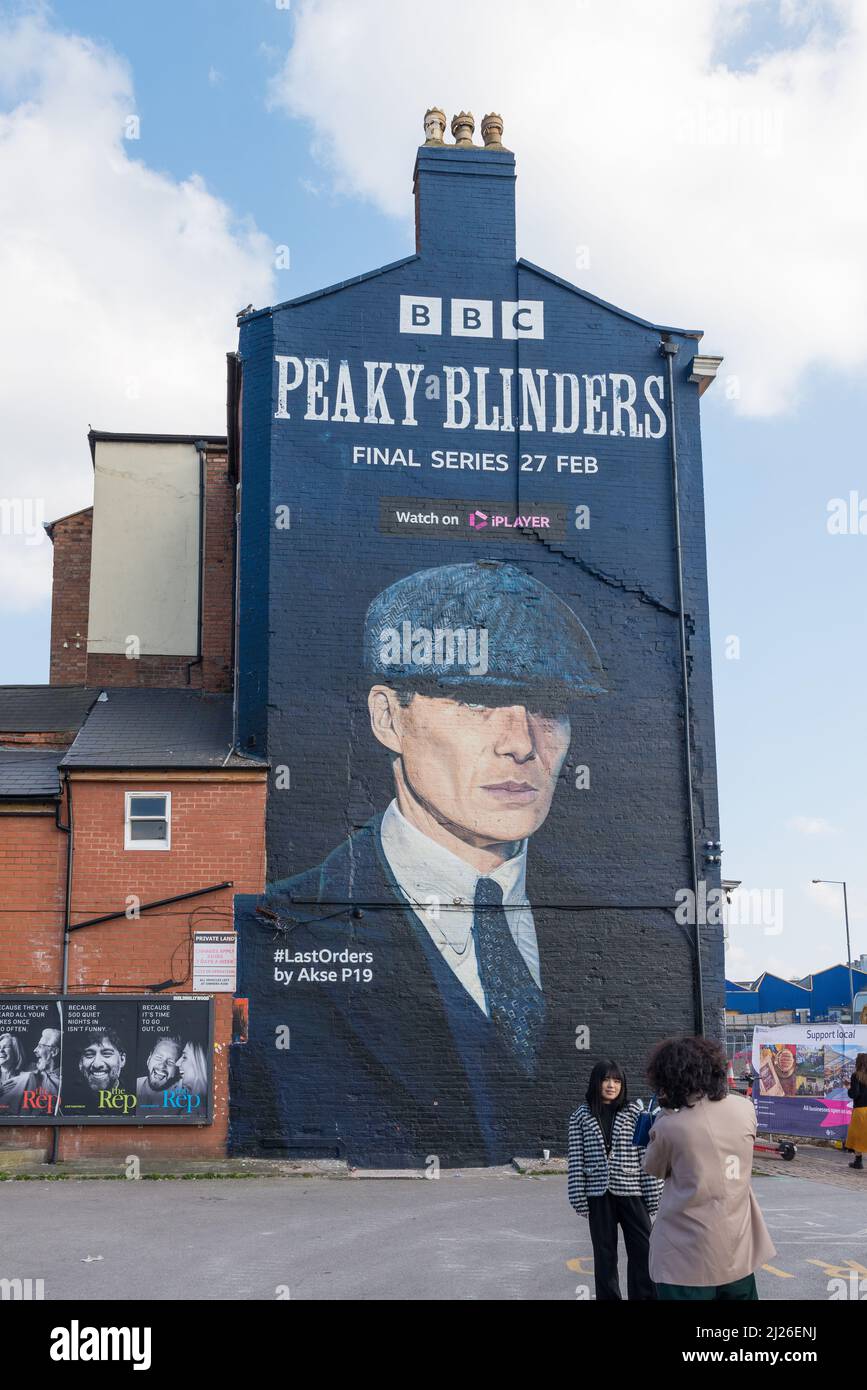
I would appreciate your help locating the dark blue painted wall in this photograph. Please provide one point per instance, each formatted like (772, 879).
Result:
(614, 854)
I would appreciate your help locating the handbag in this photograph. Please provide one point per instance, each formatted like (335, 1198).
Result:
(644, 1124)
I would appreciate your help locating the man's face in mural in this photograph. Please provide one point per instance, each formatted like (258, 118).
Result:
(484, 773)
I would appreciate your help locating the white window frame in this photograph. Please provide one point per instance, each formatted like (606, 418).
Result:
(157, 845)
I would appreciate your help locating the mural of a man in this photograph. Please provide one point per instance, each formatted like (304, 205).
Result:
(474, 673)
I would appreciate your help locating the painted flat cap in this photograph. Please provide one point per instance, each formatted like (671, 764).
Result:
(486, 623)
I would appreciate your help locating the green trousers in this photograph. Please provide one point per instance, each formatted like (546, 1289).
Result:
(742, 1290)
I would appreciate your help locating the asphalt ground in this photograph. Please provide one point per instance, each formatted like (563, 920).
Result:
(473, 1235)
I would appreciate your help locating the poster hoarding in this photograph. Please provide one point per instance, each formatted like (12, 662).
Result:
(105, 1059)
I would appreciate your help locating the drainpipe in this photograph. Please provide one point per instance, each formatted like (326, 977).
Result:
(148, 907)
(234, 435)
(67, 912)
(668, 350)
(67, 919)
(201, 448)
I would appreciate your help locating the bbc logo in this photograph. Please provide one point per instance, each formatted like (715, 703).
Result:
(472, 318)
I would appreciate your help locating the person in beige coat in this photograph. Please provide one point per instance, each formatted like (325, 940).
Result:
(709, 1236)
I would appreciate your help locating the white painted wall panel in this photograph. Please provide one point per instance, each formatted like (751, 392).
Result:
(144, 577)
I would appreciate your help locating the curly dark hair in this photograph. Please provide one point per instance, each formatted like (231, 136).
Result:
(682, 1070)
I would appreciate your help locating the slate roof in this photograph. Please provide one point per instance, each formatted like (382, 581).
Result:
(29, 772)
(38, 709)
(157, 728)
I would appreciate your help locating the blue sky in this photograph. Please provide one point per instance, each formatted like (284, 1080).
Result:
(218, 95)
(201, 72)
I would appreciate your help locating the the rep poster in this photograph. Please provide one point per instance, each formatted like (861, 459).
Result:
(102, 1059)
(803, 1073)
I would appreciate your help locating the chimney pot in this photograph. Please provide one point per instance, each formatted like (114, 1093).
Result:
(463, 125)
(434, 125)
(492, 132)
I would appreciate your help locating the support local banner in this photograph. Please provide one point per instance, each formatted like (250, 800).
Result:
(803, 1074)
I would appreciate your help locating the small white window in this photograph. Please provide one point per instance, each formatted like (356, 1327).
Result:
(148, 820)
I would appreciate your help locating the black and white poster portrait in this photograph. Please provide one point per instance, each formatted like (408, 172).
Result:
(30, 1051)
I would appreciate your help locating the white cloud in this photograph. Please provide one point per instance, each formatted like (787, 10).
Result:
(708, 197)
(811, 825)
(778, 965)
(120, 283)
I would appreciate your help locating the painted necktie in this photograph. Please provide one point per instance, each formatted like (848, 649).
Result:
(514, 1000)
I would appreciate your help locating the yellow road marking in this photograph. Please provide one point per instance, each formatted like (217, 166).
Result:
(836, 1271)
(781, 1273)
(577, 1265)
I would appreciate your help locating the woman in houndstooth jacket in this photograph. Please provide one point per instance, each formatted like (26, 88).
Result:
(607, 1185)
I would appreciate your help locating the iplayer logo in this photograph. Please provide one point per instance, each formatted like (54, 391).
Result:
(511, 520)
(473, 318)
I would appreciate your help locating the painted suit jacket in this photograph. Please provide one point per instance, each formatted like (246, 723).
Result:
(394, 1069)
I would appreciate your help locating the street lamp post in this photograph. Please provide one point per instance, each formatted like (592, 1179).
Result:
(841, 883)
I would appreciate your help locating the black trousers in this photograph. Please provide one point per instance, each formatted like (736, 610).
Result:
(606, 1214)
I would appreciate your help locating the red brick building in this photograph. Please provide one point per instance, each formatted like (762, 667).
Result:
(122, 795)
